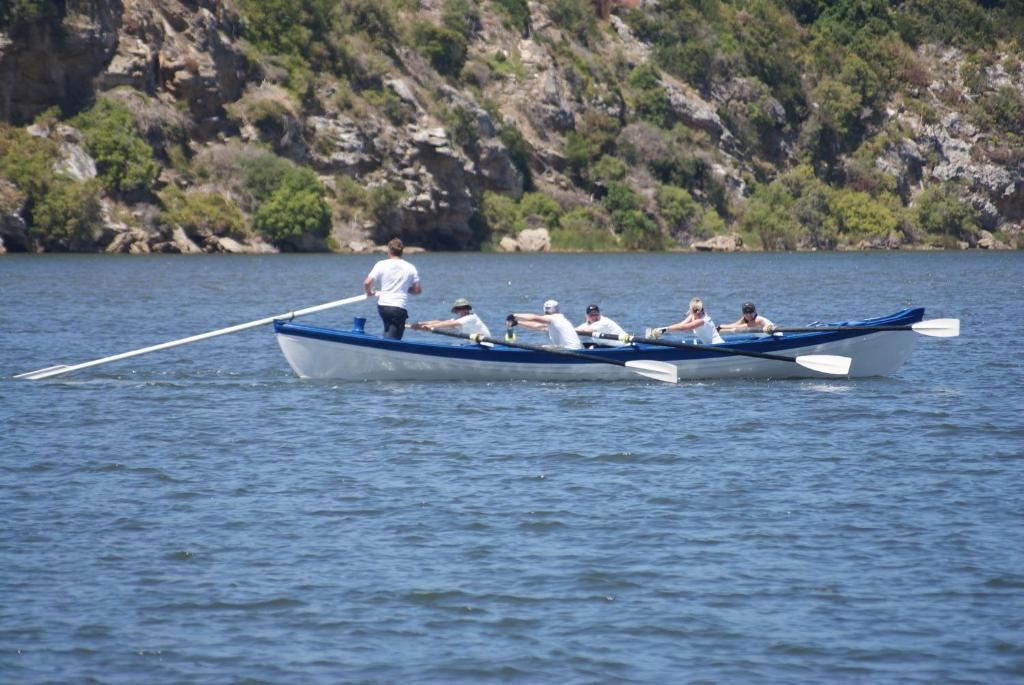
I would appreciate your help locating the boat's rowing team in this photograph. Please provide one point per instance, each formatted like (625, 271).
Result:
(399, 279)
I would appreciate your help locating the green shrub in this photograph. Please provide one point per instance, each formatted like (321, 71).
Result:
(27, 160)
(461, 16)
(599, 130)
(290, 214)
(1005, 109)
(265, 174)
(767, 215)
(769, 41)
(940, 212)
(650, 100)
(537, 204)
(711, 224)
(637, 231)
(677, 207)
(446, 49)
(67, 216)
(461, 126)
(518, 151)
(576, 17)
(578, 153)
(300, 28)
(61, 213)
(502, 214)
(397, 110)
(124, 161)
(621, 197)
(692, 61)
(289, 199)
(608, 169)
(270, 111)
(839, 108)
(517, 12)
(584, 229)
(960, 22)
(859, 216)
(810, 207)
(200, 214)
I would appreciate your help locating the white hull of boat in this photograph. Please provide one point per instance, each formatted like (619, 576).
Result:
(874, 354)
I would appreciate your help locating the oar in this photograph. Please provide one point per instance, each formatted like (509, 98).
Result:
(61, 369)
(824, 363)
(659, 371)
(938, 328)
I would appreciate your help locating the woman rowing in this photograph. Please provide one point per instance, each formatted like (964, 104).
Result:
(749, 321)
(697, 322)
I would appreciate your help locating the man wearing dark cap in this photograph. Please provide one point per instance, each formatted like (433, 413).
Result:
(750, 321)
(596, 323)
(465, 320)
(398, 280)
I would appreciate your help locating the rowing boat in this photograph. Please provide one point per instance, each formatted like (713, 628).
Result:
(328, 353)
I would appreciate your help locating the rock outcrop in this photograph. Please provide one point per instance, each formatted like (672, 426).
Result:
(528, 240)
(720, 243)
(439, 142)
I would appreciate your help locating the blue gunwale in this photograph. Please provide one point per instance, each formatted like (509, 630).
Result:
(472, 351)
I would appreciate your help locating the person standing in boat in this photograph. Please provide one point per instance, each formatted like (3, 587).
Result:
(596, 323)
(697, 322)
(558, 328)
(398, 280)
(465, 320)
(749, 321)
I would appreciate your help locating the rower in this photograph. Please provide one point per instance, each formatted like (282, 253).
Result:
(595, 323)
(558, 328)
(697, 321)
(465, 320)
(749, 321)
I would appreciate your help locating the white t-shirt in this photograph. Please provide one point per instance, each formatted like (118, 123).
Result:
(562, 333)
(396, 277)
(707, 333)
(471, 323)
(605, 325)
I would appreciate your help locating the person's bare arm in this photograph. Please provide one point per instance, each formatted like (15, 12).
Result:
(435, 323)
(738, 325)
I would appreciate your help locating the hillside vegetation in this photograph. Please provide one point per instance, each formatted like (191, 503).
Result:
(263, 125)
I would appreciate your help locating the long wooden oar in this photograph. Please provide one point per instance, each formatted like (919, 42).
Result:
(61, 369)
(938, 328)
(824, 363)
(659, 371)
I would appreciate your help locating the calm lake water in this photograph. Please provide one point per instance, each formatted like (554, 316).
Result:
(199, 515)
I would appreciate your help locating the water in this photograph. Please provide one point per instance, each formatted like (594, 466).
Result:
(200, 515)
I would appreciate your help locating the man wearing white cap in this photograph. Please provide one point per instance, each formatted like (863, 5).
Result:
(558, 328)
(465, 320)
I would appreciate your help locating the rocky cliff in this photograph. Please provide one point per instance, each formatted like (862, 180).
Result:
(212, 125)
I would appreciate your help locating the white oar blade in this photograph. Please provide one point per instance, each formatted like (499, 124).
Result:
(43, 373)
(659, 371)
(825, 363)
(938, 328)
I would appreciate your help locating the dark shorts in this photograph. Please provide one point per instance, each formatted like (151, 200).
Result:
(394, 319)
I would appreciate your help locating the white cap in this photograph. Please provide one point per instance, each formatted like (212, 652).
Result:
(550, 306)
